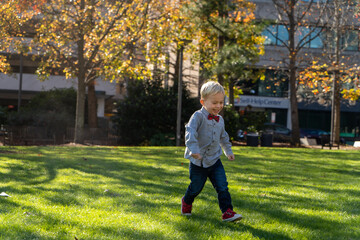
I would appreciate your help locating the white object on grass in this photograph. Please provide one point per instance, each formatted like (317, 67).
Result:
(4, 195)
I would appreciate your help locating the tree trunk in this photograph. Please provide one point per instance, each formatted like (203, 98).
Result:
(92, 106)
(221, 39)
(337, 111)
(80, 111)
(335, 108)
(295, 140)
(221, 43)
(176, 70)
(231, 94)
(201, 77)
(80, 101)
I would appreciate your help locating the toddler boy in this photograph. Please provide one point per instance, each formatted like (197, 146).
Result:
(205, 135)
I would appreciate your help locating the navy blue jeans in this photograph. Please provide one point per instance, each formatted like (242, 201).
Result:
(216, 174)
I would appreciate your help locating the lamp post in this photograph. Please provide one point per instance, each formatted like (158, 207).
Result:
(334, 108)
(20, 82)
(182, 44)
(332, 124)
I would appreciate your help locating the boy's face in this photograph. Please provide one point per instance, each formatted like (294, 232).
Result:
(213, 103)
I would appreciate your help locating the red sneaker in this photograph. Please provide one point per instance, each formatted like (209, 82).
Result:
(230, 216)
(185, 208)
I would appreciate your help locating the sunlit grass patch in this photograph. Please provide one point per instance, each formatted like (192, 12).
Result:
(135, 192)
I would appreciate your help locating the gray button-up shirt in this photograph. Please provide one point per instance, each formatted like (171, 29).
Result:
(206, 137)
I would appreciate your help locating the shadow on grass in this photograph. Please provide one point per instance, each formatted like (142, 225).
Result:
(18, 232)
(296, 211)
(143, 179)
(7, 205)
(294, 165)
(213, 228)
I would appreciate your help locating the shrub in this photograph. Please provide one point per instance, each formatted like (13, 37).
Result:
(3, 117)
(252, 121)
(232, 121)
(149, 111)
(53, 109)
(162, 139)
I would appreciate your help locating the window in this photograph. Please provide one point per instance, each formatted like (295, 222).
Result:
(274, 85)
(270, 35)
(317, 38)
(283, 34)
(276, 35)
(301, 35)
(310, 37)
(350, 40)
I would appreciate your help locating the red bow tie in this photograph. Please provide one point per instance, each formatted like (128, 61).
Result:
(216, 118)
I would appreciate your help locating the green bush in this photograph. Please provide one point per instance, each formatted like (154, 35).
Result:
(252, 121)
(162, 139)
(247, 121)
(149, 111)
(53, 109)
(3, 117)
(232, 121)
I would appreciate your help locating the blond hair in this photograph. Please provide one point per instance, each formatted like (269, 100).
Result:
(211, 88)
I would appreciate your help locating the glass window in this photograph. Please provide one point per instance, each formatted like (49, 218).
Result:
(248, 86)
(270, 35)
(317, 42)
(301, 35)
(283, 35)
(276, 35)
(329, 38)
(310, 37)
(274, 85)
(315, 1)
(350, 41)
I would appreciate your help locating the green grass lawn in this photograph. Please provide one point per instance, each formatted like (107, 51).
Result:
(134, 193)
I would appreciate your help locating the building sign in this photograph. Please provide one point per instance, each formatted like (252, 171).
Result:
(262, 102)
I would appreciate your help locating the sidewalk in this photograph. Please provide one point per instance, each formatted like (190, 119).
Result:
(287, 145)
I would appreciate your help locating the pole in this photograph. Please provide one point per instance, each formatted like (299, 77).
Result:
(332, 130)
(179, 102)
(20, 82)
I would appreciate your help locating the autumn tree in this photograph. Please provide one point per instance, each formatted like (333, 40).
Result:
(13, 17)
(15, 23)
(199, 22)
(7, 14)
(229, 40)
(89, 40)
(302, 21)
(167, 31)
(334, 75)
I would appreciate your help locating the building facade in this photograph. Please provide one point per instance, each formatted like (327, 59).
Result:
(272, 94)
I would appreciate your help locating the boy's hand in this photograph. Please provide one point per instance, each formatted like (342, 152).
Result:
(231, 157)
(196, 156)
